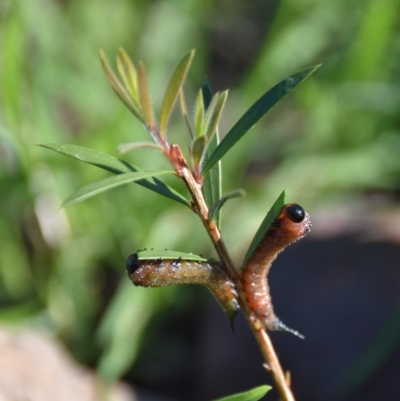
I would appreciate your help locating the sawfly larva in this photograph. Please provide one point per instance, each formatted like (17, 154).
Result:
(147, 270)
(292, 224)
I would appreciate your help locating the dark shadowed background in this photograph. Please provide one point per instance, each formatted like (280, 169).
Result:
(334, 144)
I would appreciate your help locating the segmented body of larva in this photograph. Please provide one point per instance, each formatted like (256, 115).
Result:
(163, 272)
(292, 224)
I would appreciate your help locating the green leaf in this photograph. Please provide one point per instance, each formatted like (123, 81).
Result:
(128, 73)
(214, 113)
(238, 193)
(207, 94)
(254, 394)
(265, 225)
(115, 166)
(108, 183)
(199, 114)
(255, 112)
(127, 147)
(184, 111)
(118, 88)
(174, 85)
(212, 185)
(155, 254)
(144, 98)
(197, 149)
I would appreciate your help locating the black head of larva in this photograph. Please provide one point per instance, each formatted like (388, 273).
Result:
(295, 213)
(132, 264)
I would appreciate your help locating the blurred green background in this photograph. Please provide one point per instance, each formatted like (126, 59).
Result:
(335, 138)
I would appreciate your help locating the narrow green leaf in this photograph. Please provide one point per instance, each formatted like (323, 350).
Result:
(108, 183)
(197, 150)
(184, 111)
(215, 114)
(127, 147)
(174, 85)
(255, 112)
(207, 94)
(212, 185)
(199, 114)
(254, 394)
(209, 112)
(118, 88)
(128, 73)
(115, 166)
(164, 254)
(144, 96)
(212, 213)
(265, 225)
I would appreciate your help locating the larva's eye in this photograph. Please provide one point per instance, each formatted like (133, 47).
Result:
(132, 264)
(295, 213)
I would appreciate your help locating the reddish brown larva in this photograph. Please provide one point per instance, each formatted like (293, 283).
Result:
(163, 272)
(292, 224)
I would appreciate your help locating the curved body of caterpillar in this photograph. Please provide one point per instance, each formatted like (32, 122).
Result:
(292, 224)
(163, 272)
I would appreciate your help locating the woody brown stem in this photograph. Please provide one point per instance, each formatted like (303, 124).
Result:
(200, 207)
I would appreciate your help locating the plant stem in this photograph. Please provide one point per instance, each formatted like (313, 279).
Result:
(200, 207)
(273, 364)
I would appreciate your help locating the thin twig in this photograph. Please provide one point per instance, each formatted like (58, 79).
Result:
(263, 340)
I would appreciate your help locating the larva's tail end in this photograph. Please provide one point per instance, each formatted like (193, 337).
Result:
(231, 318)
(276, 324)
(283, 327)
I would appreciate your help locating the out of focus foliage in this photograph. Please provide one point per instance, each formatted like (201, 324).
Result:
(337, 136)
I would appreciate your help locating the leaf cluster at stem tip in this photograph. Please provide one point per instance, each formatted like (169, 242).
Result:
(206, 149)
